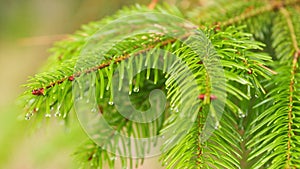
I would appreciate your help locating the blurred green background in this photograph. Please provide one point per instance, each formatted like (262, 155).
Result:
(27, 29)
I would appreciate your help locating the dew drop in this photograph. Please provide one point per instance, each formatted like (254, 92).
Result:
(57, 114)
(217, 125)
(111, 103)
(79, 98)
(48, 115)
(27, 116)
(241, 115)
(256, 96)
(94, 110)
(176, 110)
(113, 158)
(163, 136)
(136, 89)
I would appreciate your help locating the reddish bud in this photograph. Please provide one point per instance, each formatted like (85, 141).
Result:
(90, 157)
(217, 28)
(213, 97)
(71, 78)
(250, 71)
(38, 92)
(202, 96)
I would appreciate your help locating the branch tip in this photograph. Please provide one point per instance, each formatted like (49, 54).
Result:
(38, 92)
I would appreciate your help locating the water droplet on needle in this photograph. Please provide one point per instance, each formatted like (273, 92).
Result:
(48, 115)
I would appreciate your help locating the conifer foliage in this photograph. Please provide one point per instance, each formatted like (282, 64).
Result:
(256, 44)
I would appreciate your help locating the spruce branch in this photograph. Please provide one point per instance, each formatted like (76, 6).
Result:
(260, 123)
(40, 91)
(292, 82)
(252, 11)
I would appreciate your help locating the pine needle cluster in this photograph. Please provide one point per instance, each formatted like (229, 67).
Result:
(257, 43)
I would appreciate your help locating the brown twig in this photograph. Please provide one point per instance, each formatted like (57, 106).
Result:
(152, 4)
(40, 91)
(248, 13)
(266, 68)
(292, 82)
